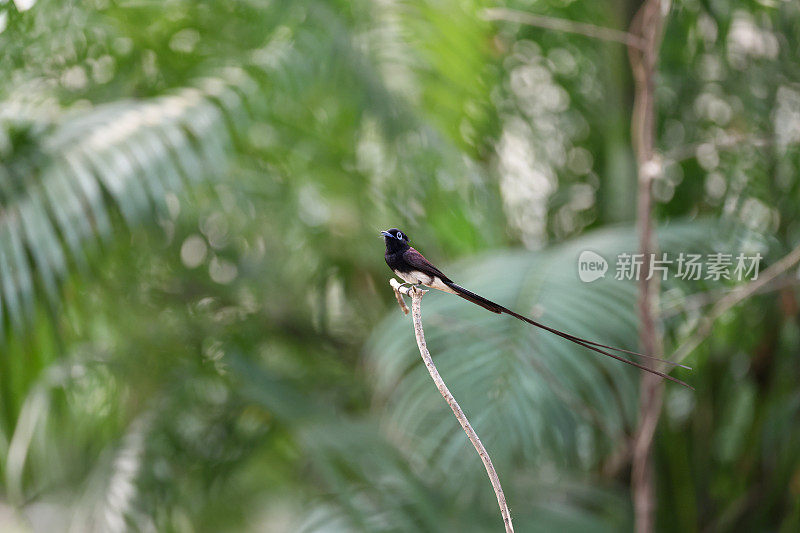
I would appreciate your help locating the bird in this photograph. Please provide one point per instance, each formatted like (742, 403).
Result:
(412, 267)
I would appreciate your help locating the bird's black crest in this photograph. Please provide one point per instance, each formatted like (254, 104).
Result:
(395, 240)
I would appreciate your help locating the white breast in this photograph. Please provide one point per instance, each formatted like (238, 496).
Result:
(414, 277)
(420, 277)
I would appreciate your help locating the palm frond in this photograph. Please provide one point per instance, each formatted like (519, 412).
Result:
(529, 394)
(122, 157)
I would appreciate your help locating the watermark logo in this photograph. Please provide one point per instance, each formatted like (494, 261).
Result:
(685, 266)
(591, 266)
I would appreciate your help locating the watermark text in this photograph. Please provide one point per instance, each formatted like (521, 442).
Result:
(685, 266)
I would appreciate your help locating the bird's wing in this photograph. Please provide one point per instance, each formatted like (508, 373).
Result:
(417, 261)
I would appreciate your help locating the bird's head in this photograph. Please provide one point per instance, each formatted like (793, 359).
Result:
(395, 240)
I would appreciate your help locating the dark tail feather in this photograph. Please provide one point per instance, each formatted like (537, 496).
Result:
(497, 308)
(579, 339)
(671, 363)
(476, 299)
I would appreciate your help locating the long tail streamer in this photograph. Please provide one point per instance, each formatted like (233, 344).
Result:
(499, 309)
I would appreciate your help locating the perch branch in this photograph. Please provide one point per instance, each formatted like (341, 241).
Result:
(396, 287)
(416, 314)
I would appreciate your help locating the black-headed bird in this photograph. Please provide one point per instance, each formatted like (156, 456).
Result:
(412, 267)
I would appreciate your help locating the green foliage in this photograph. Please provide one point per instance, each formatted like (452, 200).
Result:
(195, 327)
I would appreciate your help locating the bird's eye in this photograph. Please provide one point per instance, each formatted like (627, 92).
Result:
(400, 235)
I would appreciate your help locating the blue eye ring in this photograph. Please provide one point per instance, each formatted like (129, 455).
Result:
(400, 235)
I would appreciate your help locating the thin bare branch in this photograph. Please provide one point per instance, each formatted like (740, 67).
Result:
(647, 26)
(416, 315)
(400, 301)
(622, 455)
(559, 24)
(696, 301)
(729, 142)
(732, 299)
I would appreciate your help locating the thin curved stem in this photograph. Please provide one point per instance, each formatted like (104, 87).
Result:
(732, 299)
(647, 26)
(416, 315)
(565, 25)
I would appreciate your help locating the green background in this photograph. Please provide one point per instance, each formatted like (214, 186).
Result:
(196, 329)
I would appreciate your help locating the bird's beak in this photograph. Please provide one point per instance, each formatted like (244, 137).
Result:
(385, 234)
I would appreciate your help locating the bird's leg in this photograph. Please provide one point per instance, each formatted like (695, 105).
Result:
(420, 287)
